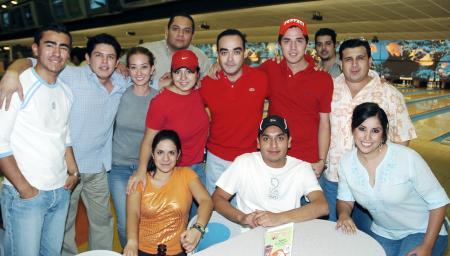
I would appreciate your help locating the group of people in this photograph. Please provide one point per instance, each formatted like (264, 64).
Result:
(330, 146)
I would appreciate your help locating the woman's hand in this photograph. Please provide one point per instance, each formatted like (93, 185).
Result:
(190, 239)
(346, 224)
(131, 248)
(134, 181)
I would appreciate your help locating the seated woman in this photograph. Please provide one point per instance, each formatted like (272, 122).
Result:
(395, 185)
(157, 214)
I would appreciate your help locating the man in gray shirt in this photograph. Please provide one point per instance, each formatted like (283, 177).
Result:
(325, 44)
(179, 33)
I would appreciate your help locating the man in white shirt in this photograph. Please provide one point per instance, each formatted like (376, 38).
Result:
(36, 155)
(268, 184)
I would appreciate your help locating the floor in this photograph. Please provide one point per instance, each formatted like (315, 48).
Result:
(430, 112)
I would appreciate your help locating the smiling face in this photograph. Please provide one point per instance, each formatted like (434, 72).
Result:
(355, 65)
(165, 155)
(293, 45)
(325, 47)
(184, 80)
(140, 69)
(368, 136)
(103, 61)
(52, 52)
(273, 144)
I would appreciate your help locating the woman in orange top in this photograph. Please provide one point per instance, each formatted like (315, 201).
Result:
(158, 213)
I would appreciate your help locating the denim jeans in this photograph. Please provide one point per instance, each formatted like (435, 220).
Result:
(34, 226)
(407, 244)
(118, 180)
(214, 167)
(200, 170)
(360, 216)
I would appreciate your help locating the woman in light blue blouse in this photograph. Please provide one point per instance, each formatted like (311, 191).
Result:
(395, 185)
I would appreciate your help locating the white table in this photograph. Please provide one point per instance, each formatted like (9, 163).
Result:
(315, 238)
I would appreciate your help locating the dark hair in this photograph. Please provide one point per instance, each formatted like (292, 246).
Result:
(103, 39)
(160, 136)
(326, 32)
(353, 43)
(281, 36)
(232, 32)
(58, 28)
(79, 53)
(185, 15)
(143, 51)
(369, 109)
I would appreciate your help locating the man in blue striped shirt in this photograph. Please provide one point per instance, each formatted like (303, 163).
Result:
(97, 91)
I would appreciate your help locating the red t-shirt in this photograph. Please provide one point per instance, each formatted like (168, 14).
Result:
(184, 114)
(236, 112)
(299, 99)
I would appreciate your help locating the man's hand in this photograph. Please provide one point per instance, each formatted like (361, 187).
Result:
(214, 70)
(71, 182)
(319, 67)
(346, 224)
(267, 219)
(29, 192)
(164, 81)
(318, 167)
(8, 86)
(123, 70)
(134, 181)
(249, 220)
(421, 250)
(190, 239)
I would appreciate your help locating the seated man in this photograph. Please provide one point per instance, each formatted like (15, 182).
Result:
(268, 184)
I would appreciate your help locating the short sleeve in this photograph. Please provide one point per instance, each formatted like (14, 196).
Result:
(8, 119)
(426, 183)
(229, 181)
(309, 181)
(401, 126)
(155, 115)
(344, 193)
(189, 175)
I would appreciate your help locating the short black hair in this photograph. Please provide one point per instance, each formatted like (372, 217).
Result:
(103, 39)
(232, 32)
(326, 32)
(59, 28)
(353, 43)
(171, 18)
(370, 109)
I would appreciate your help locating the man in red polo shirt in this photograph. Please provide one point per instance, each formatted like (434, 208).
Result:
(235, 103)
(301, 94)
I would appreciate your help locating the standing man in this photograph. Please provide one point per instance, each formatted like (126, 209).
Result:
(235, 103)
(179, 33)
(268, 184)
(301, 94)
(325, 44)
(36, 156)
(97, 92)
(354, 86)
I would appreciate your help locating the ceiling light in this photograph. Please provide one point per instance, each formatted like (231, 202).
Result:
(6, 48)
(14, 2)
(204, 25)
(4, 6)
(317, 16)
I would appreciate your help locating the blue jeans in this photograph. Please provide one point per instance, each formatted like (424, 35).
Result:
(407, 244)
(34, 226)
(360, 216)
(118, 180)
(200, 170)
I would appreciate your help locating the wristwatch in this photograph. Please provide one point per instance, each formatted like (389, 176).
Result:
(200, 228)
(76, 174)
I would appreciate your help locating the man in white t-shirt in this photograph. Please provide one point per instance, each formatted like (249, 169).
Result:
(268, 184)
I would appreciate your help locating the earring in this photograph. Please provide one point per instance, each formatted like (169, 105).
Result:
(380, 146)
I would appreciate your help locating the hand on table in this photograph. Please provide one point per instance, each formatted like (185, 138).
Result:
(267, 219)
(131, 249)
(190, 239)
(420, 250)
(346, 224)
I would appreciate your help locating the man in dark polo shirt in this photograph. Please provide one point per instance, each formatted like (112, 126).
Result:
(235, 104)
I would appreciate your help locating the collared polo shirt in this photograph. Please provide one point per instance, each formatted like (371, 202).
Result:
(299, 98)
(236, 112)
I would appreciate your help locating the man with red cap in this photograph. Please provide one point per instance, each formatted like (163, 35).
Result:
(301, 94)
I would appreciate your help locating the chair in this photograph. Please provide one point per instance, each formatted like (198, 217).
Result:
(99, 253)
(219, 229)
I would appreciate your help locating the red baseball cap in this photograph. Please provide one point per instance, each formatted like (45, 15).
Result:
(184, 59)
(293, 23)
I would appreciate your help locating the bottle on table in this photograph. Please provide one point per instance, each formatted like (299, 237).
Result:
(161, 250)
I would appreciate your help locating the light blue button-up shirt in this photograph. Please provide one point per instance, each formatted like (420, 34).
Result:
(404, 192)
